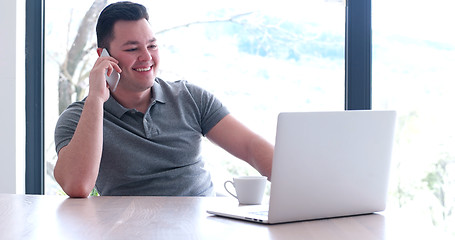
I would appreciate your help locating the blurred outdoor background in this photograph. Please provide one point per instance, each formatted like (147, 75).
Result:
(265, 57)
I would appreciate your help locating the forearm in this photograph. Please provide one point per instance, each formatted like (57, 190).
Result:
(241, 142)
(78, 163)
(260, 156)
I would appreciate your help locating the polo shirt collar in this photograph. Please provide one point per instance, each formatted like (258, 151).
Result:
(157, 92)
(112, 106)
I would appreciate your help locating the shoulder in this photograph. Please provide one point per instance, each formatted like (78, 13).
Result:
(180, 89)
(178, 85)
(73, 110)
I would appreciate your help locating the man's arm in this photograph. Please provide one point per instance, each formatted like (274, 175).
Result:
(243, 143)
(78, 163)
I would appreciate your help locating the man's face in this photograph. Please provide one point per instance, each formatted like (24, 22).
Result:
(134, 46)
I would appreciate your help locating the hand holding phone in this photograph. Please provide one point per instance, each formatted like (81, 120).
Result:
(114, 78)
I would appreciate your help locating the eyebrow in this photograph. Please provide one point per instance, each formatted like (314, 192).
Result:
(137, 42)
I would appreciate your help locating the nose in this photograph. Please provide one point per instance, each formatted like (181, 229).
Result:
(145, 55)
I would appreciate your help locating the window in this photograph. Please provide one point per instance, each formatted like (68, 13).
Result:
(258, 57)
(413, 59)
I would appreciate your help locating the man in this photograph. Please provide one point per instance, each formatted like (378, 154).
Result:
(144, 137)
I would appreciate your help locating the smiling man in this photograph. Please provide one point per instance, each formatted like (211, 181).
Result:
(144, 138)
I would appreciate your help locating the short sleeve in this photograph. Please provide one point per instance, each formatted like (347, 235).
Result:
(211, 109)
(66, 125)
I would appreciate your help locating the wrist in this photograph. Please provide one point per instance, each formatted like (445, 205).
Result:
(95, 100)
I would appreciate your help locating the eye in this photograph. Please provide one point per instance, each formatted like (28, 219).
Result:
(154, 46)
(131, 50)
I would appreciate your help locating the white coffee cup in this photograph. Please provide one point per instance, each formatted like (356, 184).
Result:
(249, 189)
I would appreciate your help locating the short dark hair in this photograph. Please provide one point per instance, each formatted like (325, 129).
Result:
(128, 11)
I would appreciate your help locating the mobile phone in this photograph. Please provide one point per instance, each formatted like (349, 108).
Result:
(115, 76)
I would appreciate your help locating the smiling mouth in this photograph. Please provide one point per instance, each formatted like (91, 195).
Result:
(142, 69)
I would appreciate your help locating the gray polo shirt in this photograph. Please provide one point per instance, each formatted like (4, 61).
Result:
(157, 153)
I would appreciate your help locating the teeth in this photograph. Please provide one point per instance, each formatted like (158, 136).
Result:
(143, 69)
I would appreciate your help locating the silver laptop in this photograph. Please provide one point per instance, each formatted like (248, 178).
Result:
(325, 164)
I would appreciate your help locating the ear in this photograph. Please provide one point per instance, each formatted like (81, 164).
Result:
(99, 50)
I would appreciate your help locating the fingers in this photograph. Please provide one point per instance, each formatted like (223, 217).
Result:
(112, 64)
(98, 85)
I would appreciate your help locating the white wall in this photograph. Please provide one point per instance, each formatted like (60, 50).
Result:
(12, 93)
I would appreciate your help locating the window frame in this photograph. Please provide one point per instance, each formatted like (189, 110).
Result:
(358, 55)
(358, 90)
(34, 97)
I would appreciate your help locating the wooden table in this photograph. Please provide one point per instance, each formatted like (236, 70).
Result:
(57, 217)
